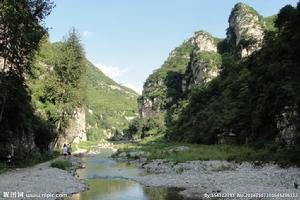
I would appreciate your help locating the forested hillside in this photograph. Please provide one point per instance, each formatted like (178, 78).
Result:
(50, 93)
(57, 86)
(243, 89)
(110, 106)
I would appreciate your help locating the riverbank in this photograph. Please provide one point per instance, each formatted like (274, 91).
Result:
(208, 170)
(199, 178)
(158, 148)
(42, 179)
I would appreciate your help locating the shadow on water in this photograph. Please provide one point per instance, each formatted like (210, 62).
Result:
(108, 180)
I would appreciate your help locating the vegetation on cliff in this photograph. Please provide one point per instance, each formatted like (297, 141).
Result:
(110, 106)
(21, 30)
(43, 84)
(59, 86)
(255, 99)
(249, 97)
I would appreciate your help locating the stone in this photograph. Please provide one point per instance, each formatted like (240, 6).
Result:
(123, 154)
(180, 149)
(138, 154)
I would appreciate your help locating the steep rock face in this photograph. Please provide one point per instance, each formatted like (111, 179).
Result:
(194, 62)
(163, 87)
(286, 124)
(1, 63)
(198, 60)
(204, 63)
(76, 130)
(187, 65)
(20, 140)
(203, 41)
(245, 29)
(19, 146)
(153, 99)
(146, 107)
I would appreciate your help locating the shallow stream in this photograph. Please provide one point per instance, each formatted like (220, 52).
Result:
(109, 180)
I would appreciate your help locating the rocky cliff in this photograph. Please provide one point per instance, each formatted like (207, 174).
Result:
(17, 124)
(245, 29)
(76, 131)
(204, 63)
(287, 125)
(198, 60)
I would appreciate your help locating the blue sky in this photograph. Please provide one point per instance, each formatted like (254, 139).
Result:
(128, 39)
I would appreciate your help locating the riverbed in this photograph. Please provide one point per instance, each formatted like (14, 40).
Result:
(108, 179)
(32, 183)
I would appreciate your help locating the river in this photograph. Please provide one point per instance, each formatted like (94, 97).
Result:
(110, 180)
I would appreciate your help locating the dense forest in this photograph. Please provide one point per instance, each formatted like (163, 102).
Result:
(246, 90)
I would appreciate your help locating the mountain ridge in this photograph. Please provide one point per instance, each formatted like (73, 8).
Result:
(207, 89)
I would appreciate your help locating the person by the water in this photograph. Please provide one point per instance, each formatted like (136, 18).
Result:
(69, 150)
(9, 160)
(65, 150)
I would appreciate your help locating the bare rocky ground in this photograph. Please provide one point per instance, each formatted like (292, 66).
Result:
(203, 179)
(41, 179)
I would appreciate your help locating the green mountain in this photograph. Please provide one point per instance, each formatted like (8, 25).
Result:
(106, 106)
(110, 106)
(239, 89)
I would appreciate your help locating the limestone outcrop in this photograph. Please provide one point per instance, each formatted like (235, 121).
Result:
(76, 130)
(245, 29)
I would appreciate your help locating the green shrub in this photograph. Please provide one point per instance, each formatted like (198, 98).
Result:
(154, 125)
(61, 164)
(35, 158)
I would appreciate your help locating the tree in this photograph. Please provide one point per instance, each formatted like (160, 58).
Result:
(20, 33)
(69, 69)
(21, 30)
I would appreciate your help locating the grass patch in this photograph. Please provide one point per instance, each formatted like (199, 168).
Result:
(3, 168)
(30, 160)
(61, 164)
(35, 158)
(161, 149)
(89, 145)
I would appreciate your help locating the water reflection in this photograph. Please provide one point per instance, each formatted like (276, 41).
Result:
(102, 166)
(105, 179)
(101, 189)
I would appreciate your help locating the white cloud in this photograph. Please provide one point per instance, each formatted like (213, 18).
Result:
(87, 34)
(112, 72)
(138, 89)
(118, 74)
